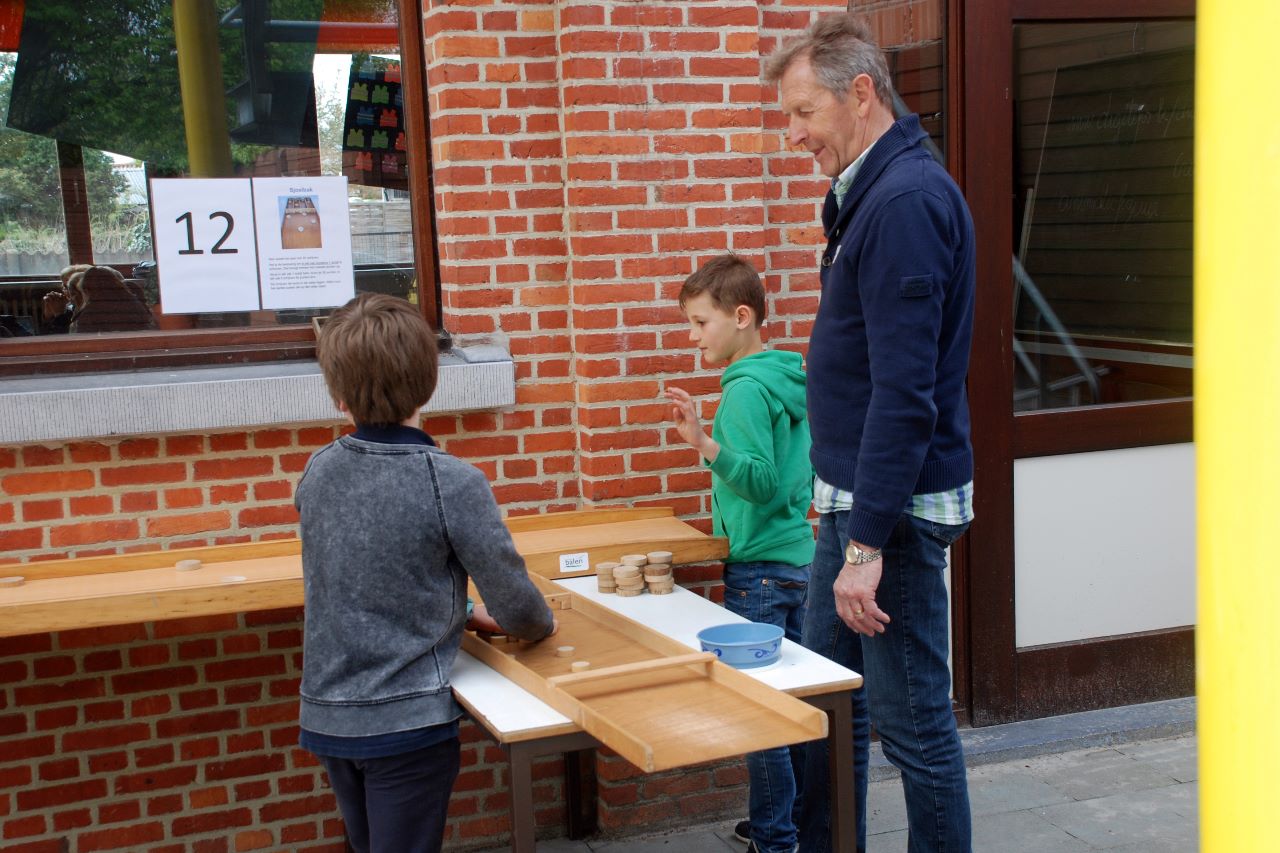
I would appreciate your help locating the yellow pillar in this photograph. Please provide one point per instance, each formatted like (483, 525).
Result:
(195, 30)
(1237, 414)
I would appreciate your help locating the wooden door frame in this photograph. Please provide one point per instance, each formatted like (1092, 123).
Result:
(997, 681)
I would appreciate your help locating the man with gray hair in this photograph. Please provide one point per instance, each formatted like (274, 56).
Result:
(889, 417)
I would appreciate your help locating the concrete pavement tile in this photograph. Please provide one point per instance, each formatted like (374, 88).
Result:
(886, 809)
(1097, 773)
(996, 788)
(1176, 756)
(701, 841)
(887, 842)
(1191, 846)
(1014, 832)
(551, 845)
(1155, 816)
(1020, 832)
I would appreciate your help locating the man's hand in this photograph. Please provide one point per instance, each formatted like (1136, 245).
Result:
(855, 593)
(685, 414)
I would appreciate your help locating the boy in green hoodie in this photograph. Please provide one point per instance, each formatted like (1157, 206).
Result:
(761, 488)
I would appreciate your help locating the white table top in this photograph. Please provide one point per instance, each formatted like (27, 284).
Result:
(513, 714)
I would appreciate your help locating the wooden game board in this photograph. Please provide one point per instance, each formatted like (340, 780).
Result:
(644, 695)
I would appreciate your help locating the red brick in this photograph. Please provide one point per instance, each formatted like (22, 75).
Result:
(91, 532)
(183, 498)
(63, 768)
(196, 522)
(66, 691)
(255, 765)
(139, 501)
(52, 719)
(44, 482)
(232, 469)
(24, 827)
(245, 668)
(228, 493)
(167, 804)
(183, 445)
(150, 706)
(167, 628)
(154, 679)
(154, 780)
(139, 448)
(72, 819)
(120, 838)
(41, 510)
(152, 756)
(100, 737)
(60, 795)
(91, 505)
(22, 539)
(34, 456)
(190, 724)
(119, 812)
(132, 475)
(267, 515)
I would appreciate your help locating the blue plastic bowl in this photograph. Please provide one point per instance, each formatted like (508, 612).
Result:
(743, 645)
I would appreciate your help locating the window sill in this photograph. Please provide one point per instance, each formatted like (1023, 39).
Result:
(82, 406)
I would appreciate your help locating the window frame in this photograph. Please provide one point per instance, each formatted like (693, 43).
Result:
(214, 347)
(1107, 426)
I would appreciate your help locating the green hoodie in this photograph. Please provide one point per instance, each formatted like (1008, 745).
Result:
(761, 481)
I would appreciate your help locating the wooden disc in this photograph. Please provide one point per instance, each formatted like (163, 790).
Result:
(13, 580)
(564, 651)
(659, 557)
(188, 565)
(580, 665)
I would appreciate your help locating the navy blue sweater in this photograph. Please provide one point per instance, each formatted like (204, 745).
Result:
(890, 346)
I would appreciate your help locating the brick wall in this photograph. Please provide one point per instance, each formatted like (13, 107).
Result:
(588, 156)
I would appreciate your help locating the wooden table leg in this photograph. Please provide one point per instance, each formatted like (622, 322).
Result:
(521, 755)
(522, 827)
(580, 792)
(844, 806)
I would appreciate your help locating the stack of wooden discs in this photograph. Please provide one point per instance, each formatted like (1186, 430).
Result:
(628, 576)
(604, 577)
(657, 574)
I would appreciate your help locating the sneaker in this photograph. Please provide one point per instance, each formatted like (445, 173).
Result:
(742, 832)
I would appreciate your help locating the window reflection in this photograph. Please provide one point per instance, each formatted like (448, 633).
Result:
(1102, 270)
(93, 110)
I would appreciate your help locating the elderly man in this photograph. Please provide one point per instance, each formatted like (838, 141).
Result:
(890, 423)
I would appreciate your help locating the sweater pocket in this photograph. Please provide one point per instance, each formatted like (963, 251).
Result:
(914, 286)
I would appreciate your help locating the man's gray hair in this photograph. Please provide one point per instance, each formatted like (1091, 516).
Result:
(839, 48)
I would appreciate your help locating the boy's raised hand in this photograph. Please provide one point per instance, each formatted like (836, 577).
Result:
(685, 415)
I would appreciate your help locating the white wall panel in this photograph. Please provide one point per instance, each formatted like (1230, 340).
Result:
(1104, 543)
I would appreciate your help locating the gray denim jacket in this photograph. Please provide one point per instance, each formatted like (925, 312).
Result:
(390, 533)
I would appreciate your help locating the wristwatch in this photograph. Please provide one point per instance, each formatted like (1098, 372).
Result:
(856, 556)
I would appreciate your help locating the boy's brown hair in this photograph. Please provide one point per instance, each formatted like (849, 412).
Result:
(729, 281)
(378, 356)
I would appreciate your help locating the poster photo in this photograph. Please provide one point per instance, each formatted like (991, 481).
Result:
(304, 242)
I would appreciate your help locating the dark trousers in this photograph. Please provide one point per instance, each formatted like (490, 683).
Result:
(396, 804)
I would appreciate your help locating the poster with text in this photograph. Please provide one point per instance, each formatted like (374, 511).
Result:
(205, 244)
(304, 242)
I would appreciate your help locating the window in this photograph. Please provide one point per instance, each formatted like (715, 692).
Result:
(1102, 224)
(94, 109)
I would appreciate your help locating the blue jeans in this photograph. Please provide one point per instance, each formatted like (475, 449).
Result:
(772, 593)
(907, 694)
(396, 804)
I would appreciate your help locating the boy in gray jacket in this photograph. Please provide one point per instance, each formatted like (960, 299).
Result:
(391, 529)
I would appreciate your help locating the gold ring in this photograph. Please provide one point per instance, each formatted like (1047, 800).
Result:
(857, 613)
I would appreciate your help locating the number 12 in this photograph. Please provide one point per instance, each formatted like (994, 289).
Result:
(217, 247)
